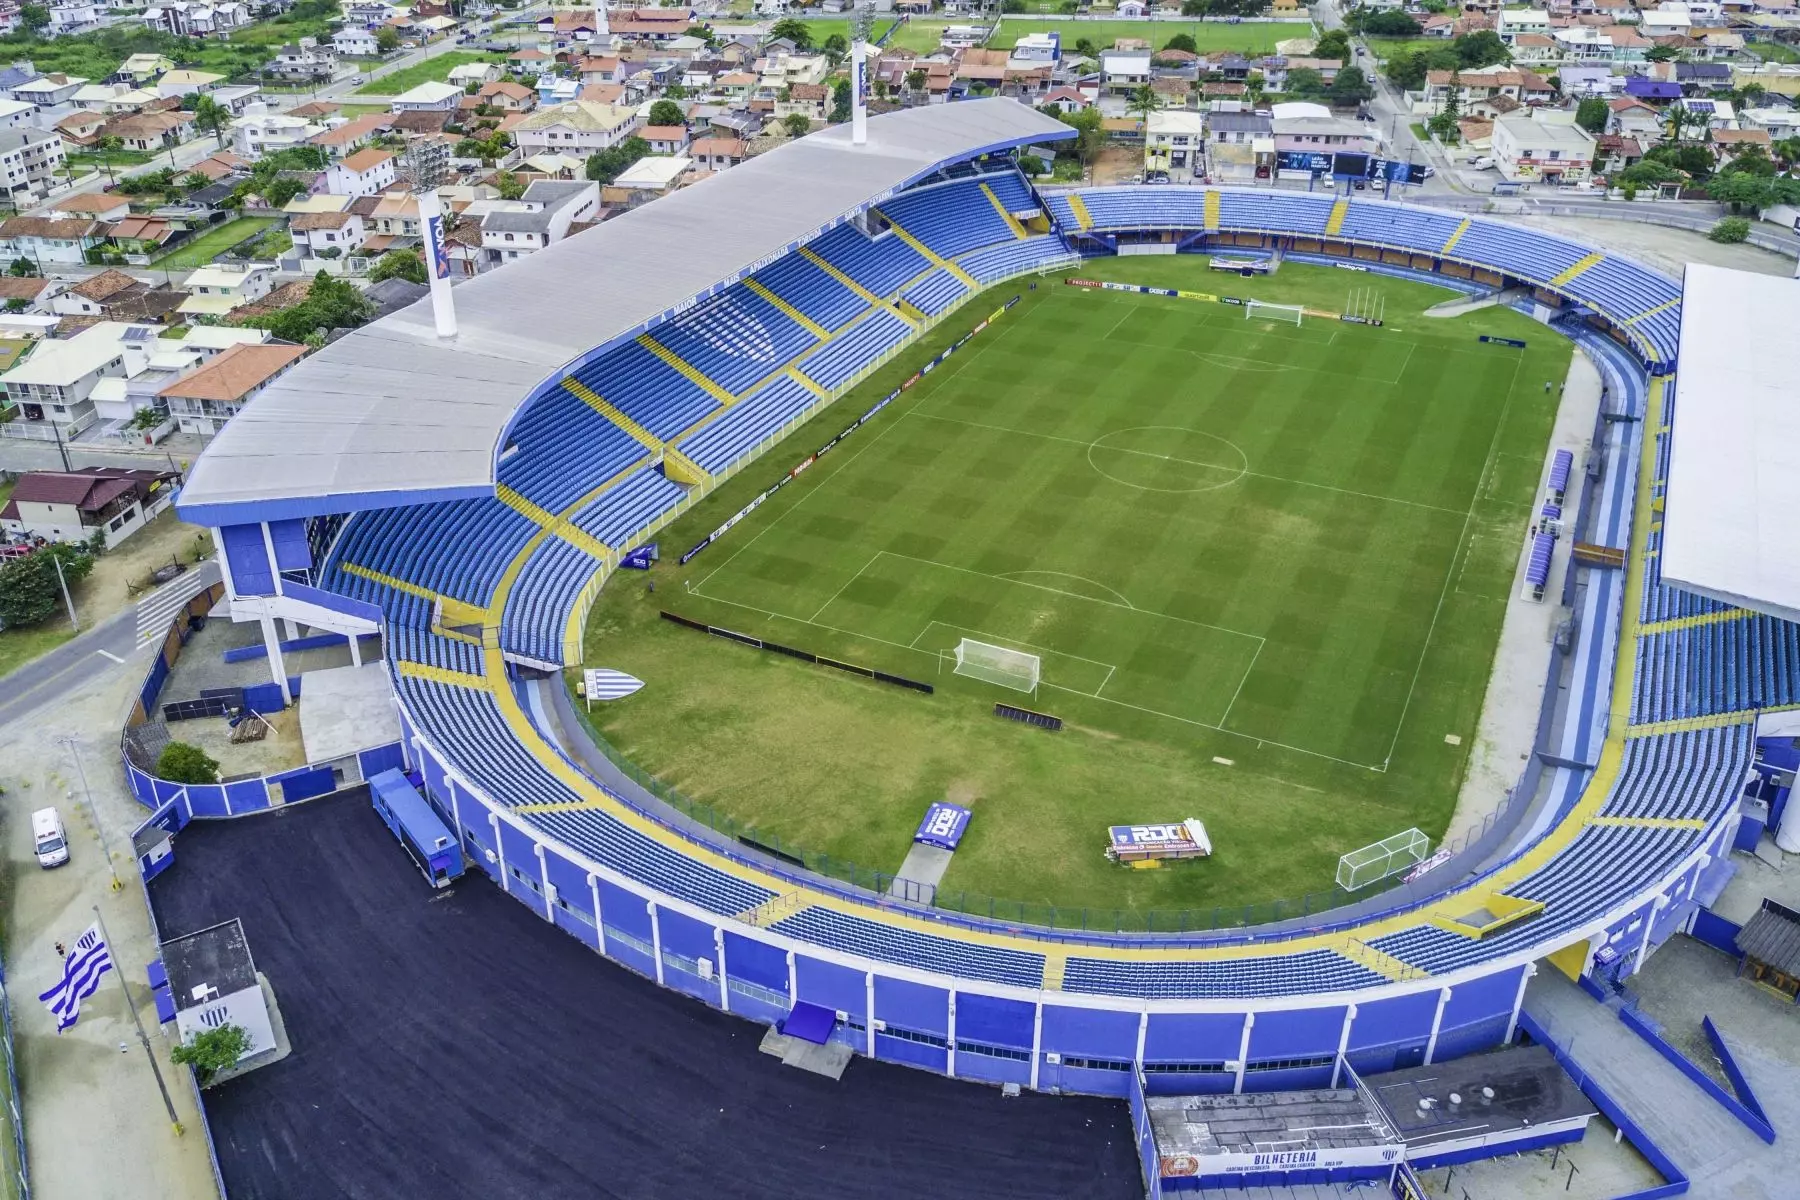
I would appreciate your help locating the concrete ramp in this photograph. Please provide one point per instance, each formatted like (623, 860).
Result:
(1469, 304)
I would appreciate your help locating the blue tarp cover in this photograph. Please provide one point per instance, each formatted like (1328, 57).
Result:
(810, 1022)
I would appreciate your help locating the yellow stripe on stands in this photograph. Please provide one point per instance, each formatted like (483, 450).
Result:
(1665, 306)
(798, 317)
(1380, 962)
(418, 670)
(1456, 235)
(1651, 822)
(1339, 211)
(612, 412)
(1742, 716)
(556, 526)
(1012, 222)
(1056, 965)
(686, 368)
(794, 374)
(1083, 218)
(1694, 622)
(455, 611)
(1213, 208)
(930, 256)
(1565, 276)
(812, 256)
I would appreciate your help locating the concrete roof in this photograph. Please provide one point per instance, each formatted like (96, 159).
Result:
(392, 415)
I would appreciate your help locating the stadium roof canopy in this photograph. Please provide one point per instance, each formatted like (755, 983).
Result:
(1734, 477)
(393, 415)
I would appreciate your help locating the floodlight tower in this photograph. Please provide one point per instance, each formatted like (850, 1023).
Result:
(429, 160)
(861, 23)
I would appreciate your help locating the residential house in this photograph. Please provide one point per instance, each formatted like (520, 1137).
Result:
(716, 153)
(646, 179)
(29, 160)
(203, 401)
(650, 24)
(1121, 73)
(1614, 152)
(477, 73)
(115, 296)
(185, 83)
(577, 127)
(1515, 22)
(151, 131)
(1652, 91)
(305, 59)
(507, 96)
(1728, 143)
(1240, 146)
(140, 237)
(810, 100)
(349, 136)
(112, 98)
(1174, 142)
(28, 293)
(98, 206)
(236, 99)
(394, 217)
(48, 91)
(513, 229)
(1633, 118)
(50, 391)
(13, 75)
(215, 291)
(1543, 145)
(80, 128)
(353, 42)
(50, 240)
(73, 506)
(665, 139)
(141, 70)
(1325, 135)
(74, 16)
(1527, 87)
(14, 113)
(421, 122)
(1714, 115)
(1698, 78)
(328, 235)
(259, 131)
(428, 97)
(364, 173)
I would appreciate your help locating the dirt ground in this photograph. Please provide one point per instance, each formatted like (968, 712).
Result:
(1119, 164)
(109, 588)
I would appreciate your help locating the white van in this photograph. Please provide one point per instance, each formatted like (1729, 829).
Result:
(48, 838)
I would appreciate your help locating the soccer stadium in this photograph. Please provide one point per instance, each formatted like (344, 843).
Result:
(856, 451)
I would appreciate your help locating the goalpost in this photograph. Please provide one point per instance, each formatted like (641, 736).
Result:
(1378, 860)
(1273, 312)
(997, 665)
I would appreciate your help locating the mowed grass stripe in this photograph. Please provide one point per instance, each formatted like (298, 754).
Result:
(1300, 618)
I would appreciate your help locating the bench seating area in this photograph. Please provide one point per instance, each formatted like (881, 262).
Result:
(1723, 666)
(631, 506)
(564, 449)
(1293, 212)
(950, 218)
(417, 644)
(879, 264)
(1399, 225)
(735, 339)
(457, 549)
(647, 389)
(838, 361)
(807, 286)
(909, 948)
(538, 607)
(1529, 252)
(1014, 194)
(1015, 257)
(745, 424)
(936, 292)
(1681, 775)
(1272, 975)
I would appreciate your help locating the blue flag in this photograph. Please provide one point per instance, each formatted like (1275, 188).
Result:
(86, 962)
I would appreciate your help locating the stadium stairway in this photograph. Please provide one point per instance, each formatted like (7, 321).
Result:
(1012, 222)
(692, 373)
(556, 526)
(1456, 235)
(931, 255)
(804, 321)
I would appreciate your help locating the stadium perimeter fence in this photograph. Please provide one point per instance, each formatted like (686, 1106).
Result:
(17, 1179)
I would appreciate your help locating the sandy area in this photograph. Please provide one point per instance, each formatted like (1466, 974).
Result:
(108, 589)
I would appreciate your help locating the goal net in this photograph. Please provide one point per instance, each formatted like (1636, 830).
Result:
(997, 665)
(1389, 856)
(1273, 312)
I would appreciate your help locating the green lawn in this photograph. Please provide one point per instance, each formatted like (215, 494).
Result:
(1385, 48)
(432, 70)
(923, 35)
(20, 646)
(1285, 548)
(94, 56)
(1248, 38)
(203, 249)
(1774, 52)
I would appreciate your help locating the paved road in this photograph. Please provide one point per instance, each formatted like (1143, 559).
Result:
(106, 647)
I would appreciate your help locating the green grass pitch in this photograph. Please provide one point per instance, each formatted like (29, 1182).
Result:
(1263, 567)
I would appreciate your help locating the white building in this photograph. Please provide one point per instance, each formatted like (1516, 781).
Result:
(1173, 142)
(54, 387)
(215, 291)
(515, 228)
(355, 43)
(367, 172)
(1544, 145)
(428, 97)
(579, 127)
(29, 159)
(260, 131)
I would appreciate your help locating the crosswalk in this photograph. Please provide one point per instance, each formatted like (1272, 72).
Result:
(156, 610)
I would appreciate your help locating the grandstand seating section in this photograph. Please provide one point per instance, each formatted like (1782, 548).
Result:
(566, 450)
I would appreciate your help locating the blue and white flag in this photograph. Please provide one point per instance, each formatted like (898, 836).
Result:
(88, 959)
(601, 683)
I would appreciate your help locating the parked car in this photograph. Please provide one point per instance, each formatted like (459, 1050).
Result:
(1481, 162)
(48, 838)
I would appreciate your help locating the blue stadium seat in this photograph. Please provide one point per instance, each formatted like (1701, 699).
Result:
(745, 425)
(835, 363)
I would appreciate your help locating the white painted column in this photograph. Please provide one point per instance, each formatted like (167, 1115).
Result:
(1337, 1066)
(1143, 1033)
(355, 650)
(1237, 1085)
(455, 807)
(859, 104)
(1643, 951)
(719, 946)
(655, 939)
(869, 1023)
(292, 630)
(793, 980)
(499, 850)
(1037, 1042)
(1525, 976)
(549, 891)
(950, 1036)
(599, 925)
(437, 262)
(1437, 1020)
(277, 667)
(218, 538)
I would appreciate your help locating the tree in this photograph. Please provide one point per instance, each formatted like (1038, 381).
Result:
(387, 39)
(1142, 103)
(1661, 54)
(194, 181)
(1335, 44)
(1392, 23)
(1681, 118)
(182, 762)
(840, 101)
(1693, 160)
(612, 162)
(1480, 49)
(282, 189)
(835, 48)
(1305, 82)
(399, 264)
(1751, 160)
(1444, 125)
(35, 18)
(107, 146)
(1193, 8)
(1350, 87)
(1730, 230)
(1090, 136)
(329, 304)
(510, 186)
(1031, 164)
(915, 80)
(23, 268)
(1788, 151)
(213, 1050)
(212, 117)
(1182, 41)
(29, 591)
(1591, 115)
(666, 112)
(1086, 49)
(797, 124)
(795, 31)
(1747, 193)
(1648, 173)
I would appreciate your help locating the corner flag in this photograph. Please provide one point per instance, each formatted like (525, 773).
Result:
(87, 960)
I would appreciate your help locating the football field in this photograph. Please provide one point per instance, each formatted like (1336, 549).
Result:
(1233, 544)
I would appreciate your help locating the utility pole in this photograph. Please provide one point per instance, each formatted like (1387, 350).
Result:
(74, 749)
(60, 448)
(143, 1038)
(67, 603)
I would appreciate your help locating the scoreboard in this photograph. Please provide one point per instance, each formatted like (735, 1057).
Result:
(1140, 843)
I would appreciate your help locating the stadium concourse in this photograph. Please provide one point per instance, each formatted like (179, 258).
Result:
(469, 497)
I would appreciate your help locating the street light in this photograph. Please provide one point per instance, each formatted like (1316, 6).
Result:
(74, 748)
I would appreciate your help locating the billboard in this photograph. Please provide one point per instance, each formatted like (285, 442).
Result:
(1175, 839)
(944, 825)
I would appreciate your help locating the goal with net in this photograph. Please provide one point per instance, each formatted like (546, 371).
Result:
(997, 665)
(1273, 312)
(1375, 862)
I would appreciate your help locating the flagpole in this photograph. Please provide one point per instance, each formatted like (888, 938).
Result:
(144, 1038)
